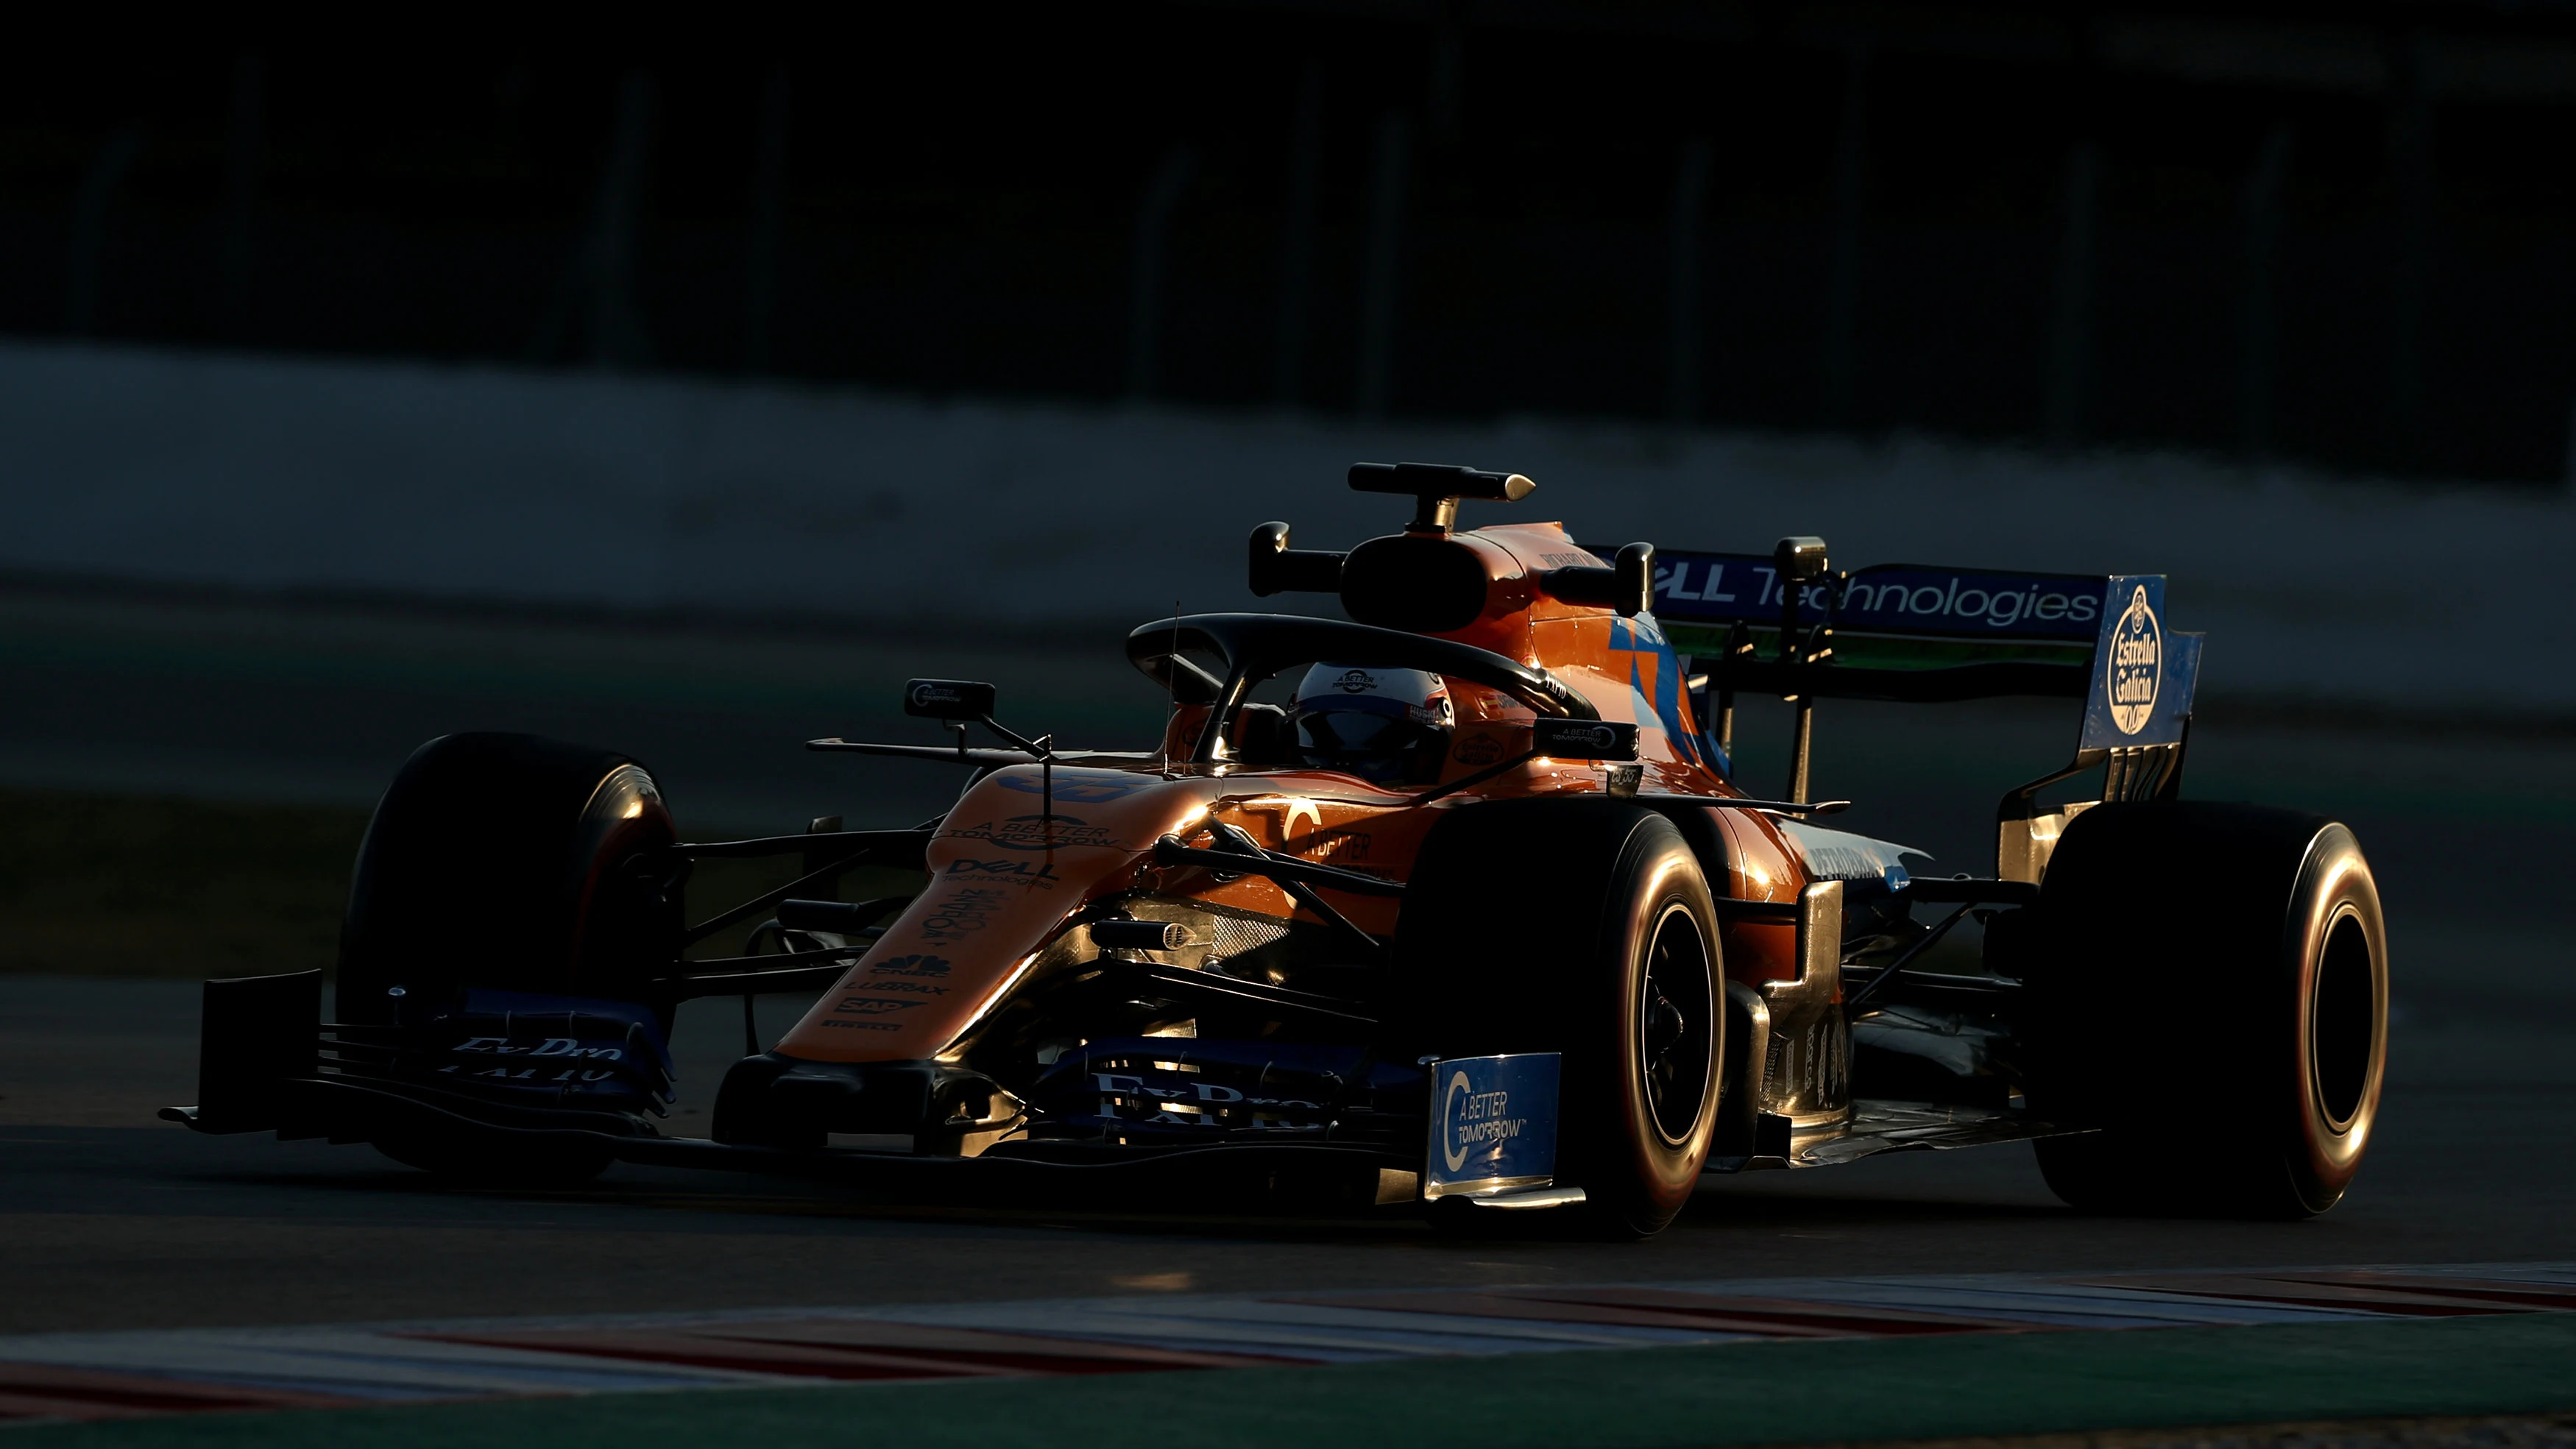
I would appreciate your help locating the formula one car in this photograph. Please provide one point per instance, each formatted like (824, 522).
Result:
(1452, 908)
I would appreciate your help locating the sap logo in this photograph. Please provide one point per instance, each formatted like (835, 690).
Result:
(2135, 665)
(1026, 872)
(871, 1006)
(933, 966)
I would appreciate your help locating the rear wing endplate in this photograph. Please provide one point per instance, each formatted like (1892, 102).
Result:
(1922, 633)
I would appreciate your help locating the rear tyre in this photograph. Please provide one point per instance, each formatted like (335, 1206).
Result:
(2214, 996)
(1583, 926)
(515, 863)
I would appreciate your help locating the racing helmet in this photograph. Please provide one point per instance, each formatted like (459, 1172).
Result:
(1387, 726)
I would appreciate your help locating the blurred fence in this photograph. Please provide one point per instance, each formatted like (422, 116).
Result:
(592, 491)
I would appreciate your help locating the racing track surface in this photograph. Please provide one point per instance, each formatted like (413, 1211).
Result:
(109, 1220)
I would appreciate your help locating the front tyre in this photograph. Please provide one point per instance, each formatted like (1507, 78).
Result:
(1581, 926)
(510, 862)
(514, 863)
(2215, 999)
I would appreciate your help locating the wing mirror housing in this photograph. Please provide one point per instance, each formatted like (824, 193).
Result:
(1279, 569)
(960, 700)
(1801, 557)
(1627, 586)
(1583, 739)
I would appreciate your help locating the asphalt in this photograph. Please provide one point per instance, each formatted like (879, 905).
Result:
(109, 1219)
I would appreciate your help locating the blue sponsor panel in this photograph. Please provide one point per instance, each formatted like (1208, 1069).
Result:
(547, 1050)
(1886, 598)
(2143, 673)
(1493, 1124)
(1075, 786)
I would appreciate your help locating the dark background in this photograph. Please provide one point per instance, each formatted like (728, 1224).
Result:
(2337, 233)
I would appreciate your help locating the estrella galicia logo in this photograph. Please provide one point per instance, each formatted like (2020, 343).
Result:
(2135, 666)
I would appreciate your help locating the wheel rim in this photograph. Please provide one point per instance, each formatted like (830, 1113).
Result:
(2343, 1021)
(1675, 1025)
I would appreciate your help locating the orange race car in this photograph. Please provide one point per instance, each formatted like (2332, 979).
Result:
(1453, 906)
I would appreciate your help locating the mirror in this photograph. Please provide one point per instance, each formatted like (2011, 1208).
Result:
(951, 699)
(1800, 557)
(1583, 739)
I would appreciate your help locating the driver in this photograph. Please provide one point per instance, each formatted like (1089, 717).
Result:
(1387, 726)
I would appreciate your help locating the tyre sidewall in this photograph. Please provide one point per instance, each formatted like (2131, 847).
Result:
(1617, 1150)
(1526, 927)
(506, 861)
(2334, 887)
(2177, 1009)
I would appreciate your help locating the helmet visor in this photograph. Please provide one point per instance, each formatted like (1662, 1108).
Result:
(1376, 747)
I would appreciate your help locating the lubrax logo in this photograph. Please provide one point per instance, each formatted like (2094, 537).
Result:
(1027, 872)
(933, 966)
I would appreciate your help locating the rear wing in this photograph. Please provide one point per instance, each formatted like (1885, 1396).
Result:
(1788, 626)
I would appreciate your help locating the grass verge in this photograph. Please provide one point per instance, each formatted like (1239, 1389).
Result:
(1723, 1394)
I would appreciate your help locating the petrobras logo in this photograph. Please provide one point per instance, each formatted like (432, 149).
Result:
(2133, 664)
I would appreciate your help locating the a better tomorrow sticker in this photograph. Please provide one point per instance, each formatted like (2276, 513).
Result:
(1493, 1124)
